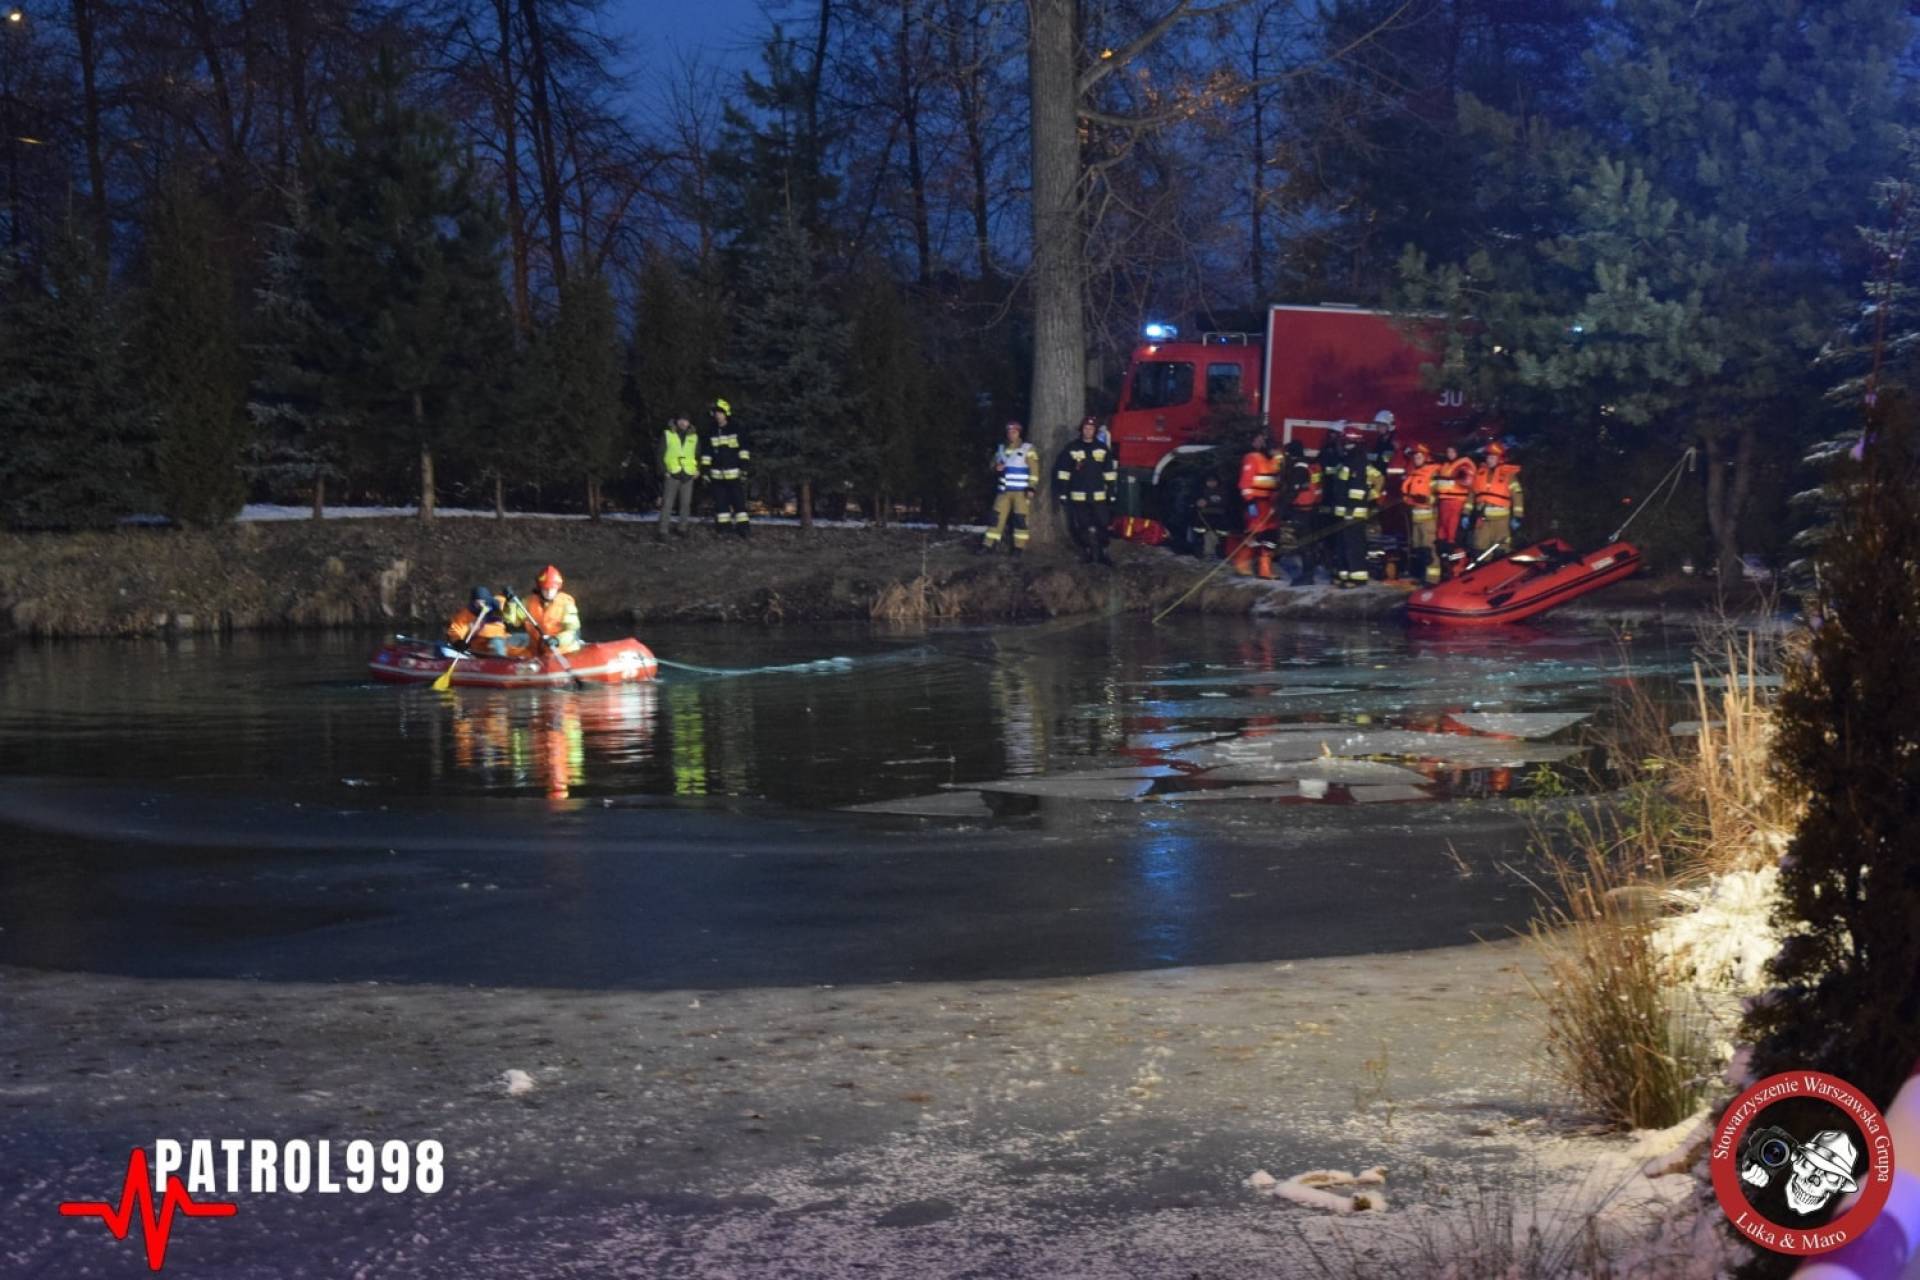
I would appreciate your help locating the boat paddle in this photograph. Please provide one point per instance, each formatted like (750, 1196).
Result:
(552, 642)
(444, 681)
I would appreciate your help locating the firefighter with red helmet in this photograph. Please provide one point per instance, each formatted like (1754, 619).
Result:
(1084, 478)
(1498, 502)
(1417, 492)
(1356, 485)
(1259, 489)
(551, 618)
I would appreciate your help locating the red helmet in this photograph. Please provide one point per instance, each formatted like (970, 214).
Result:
(1352, 432)
(1495, 449)
(1419, 449)
(550, 579)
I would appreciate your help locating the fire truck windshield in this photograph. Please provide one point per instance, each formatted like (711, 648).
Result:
(1161, 384)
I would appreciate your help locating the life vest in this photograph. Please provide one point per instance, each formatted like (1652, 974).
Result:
(1417, 489)
(559, 616)
(1018, 463)
(460, 626)
(1455, 479)
(1496, 490)
(1139, 529)
(1306, 487)
(1259, 476)
(680, 453)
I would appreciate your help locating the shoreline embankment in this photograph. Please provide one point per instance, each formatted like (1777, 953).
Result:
(401, 572)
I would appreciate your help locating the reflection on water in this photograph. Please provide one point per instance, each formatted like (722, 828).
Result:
(904, 716)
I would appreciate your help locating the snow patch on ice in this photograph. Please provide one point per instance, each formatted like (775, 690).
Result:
(517, 1082)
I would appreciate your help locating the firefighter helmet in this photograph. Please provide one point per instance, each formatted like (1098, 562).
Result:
(550, 579)
(1384, 418)
(1352, 433)
(723, 407)
(1495, 449)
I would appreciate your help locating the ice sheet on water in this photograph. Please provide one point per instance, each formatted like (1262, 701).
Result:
(1518, 724)
(1161, 741)
(1108, 775)
(1389, 792)
(942, 804)
(1325, 769)
(1691, 728)
(1050, 789)
(1276, 791)
(1300, 744)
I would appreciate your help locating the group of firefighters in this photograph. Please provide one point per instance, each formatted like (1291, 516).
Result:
(719, 457)
(1085, 481)
(1319, 508)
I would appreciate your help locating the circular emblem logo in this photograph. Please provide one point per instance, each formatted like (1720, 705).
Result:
(1802, 1163)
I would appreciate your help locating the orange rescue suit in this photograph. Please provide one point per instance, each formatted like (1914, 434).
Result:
(1259, 486)
(1453, 486)
(1496, 490)
(460, 628)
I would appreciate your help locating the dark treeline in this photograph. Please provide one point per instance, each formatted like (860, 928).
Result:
(460, 252)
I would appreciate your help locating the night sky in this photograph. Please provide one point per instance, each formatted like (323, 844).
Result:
(721, 31)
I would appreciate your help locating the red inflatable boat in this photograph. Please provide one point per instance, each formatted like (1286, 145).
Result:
(1542, 577)
(404, 661)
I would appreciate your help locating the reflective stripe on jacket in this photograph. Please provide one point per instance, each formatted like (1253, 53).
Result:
(722, 455)
(1259, 476)
(1084, 472)
(1017, 463)
(1496, 490)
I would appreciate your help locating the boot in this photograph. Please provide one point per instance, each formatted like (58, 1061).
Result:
(1101, 556)
(1266, 565)
(1243, 560)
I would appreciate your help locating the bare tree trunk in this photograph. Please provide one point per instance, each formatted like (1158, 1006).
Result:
(806, 504)
(426, 459)
(1257, 234)
(320, 497)
(499, 496)
(507, 113)
(90, 128)
(965, 60)
(1059, 335)
(546, 158)
(1728, 480)
(910, 119)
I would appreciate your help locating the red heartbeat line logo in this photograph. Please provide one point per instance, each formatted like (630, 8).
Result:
(137, 1190)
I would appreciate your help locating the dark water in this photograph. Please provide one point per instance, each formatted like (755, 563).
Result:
(883, 716)
(256, 807)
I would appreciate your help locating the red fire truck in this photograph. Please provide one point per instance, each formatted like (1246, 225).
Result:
(1314, 368)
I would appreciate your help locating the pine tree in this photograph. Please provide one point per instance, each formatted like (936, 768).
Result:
(888, 380)
(298, 440)
(191, 365)
(771, 164)
(789, 360)
(78, 450)
(399, 268)
(679, 333)
(578, 363)
(1848, 975)
(1668, 275)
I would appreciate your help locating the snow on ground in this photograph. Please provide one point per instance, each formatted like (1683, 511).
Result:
(1086, 1128)
(267, 511)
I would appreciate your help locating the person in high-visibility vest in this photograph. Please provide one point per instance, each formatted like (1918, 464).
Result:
(1084, 478)
(1417, 492)
(723, 456)
(1452, 491)
(1259, 488)
(679, 468)
(551, 617)
(1498, 502)
(1016, 469)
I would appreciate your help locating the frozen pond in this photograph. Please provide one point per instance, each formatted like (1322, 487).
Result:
(1069, 798)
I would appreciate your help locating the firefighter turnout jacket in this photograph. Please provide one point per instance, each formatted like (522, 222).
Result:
(723, 455)
(1084, 472)
(1018, 466)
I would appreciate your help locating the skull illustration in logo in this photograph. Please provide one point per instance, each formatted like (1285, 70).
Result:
(1822, 1169)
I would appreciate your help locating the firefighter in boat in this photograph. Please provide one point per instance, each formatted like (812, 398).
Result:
(1423, 516)
(1259, 490)
(1016, 468)
(1498, 502)
(724, 458)
(551, 619)
(1084, 478)
(481, 625)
